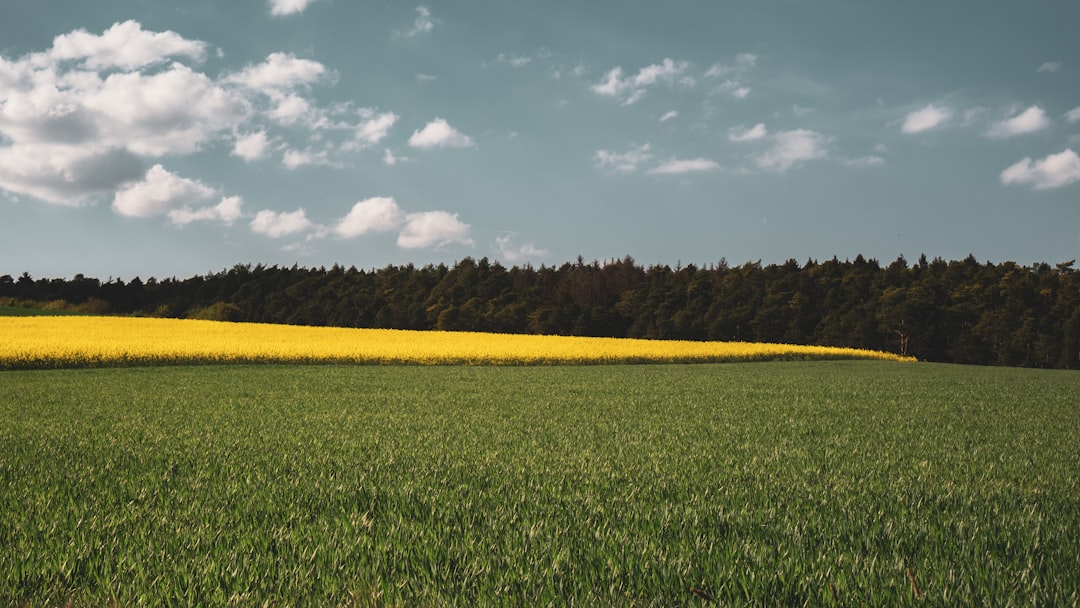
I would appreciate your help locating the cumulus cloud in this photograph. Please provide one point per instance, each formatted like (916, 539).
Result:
(433, 229)
(925, 119)
(754, 133)
(375, 128)
(279, 74)
(390, 159)
(294, 159)
(632, 88)
(124, 45)
(733, 88)
(1050, 66)
(669, 116)
(275, 225)
(288, 7)
(680, 166)
(1029, 121)
(1073, 115)
(158, 193)
(377, 214)
(252, 147)
(510, 253)
(791, 148)
(439, 134)
(227, 211)
(1054, 171)
(66, 175)
(623, 162)
(743, 62)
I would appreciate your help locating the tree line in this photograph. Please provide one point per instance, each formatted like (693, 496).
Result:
(958, 311)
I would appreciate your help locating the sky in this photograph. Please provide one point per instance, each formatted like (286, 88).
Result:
(170, 139)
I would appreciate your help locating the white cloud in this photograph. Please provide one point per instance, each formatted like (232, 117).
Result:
(624, 162)
(514, 61)
(375, 129)
(288, 7)
(227, 211)
(1050, 66)
(925, 119)
(439, 134)
(669, 115)
(423, 24)
(290, 110)
(754, 133)
(680, 166)
(1029, 121)
(171, 112)
(510, 254)
(865, 161)
(276, 225)
(280, 73)
(1054, 171)
(294, 159)
(124, 45)
(1073, 115)
(158, 193)
(791, 148)
(378, 214)
(632, 88)
(252, 147)
(433, 228)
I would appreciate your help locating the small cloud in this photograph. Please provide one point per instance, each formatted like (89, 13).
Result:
(390, 159)
(624, 162)
(275, 225)
(514, 61)
(425, 77)
(1054, 171)
(681, 166)
(280, 8)
(865, 161)
(925, 119)
(252, 147)
(227, 211)
(294, 159)
(1029, 121)
(423, 24)
(791, 148)
(433, 229)
(510, 254)
(633, 88)
(1073, 115)
(158, 193)
(378, 214)
(669, 116)
(754, 133)
(800, 111)
(375, 128)
(439, 134)
(279, 73)
(733, 88)
(1050, 66)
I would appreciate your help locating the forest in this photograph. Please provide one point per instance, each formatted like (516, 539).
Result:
(957, 311)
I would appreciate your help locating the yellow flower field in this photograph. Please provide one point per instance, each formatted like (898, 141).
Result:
(47, 342)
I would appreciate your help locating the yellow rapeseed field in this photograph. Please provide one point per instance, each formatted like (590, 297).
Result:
(47, 342)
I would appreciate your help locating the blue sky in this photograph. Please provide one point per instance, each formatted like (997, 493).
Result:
(170, 139)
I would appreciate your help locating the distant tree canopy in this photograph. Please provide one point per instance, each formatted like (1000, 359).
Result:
(958, 311)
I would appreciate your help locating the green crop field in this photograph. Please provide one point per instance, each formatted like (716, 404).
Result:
(826, 484)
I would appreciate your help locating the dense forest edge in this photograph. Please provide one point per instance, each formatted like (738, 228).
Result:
(957, 311)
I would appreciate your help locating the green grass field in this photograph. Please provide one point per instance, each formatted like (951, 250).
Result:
(829, 483)
(18, 311)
